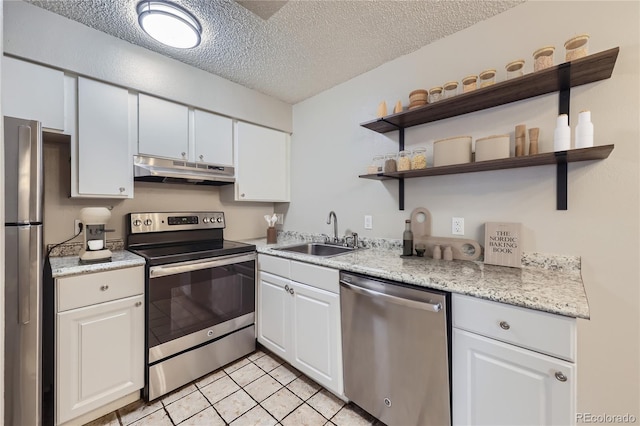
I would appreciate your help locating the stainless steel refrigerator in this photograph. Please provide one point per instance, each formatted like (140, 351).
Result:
(23, 271)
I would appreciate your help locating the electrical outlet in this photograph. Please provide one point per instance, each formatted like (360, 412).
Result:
(368, 222)
(457, 225)
(280, 217)
(76, 226)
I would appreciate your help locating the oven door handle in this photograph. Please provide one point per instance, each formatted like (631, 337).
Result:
(197, 265)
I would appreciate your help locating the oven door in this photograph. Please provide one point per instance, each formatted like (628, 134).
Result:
(191, 303)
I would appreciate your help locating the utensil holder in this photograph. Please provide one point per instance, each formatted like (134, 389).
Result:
(271, 235)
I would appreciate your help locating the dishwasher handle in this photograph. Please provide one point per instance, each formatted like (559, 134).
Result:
(431, 307)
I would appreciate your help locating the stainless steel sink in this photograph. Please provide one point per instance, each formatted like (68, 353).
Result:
(317, 249)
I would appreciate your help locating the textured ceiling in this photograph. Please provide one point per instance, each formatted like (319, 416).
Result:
(303, 47)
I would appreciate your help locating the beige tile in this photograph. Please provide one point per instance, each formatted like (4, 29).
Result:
(157, 418)
(210, 378)
(207, 417)
(281, 403)
(238, 364)
(326, 403)
(304, 415)
(263, 387)
(257, 416)
(268, 362)
(247, 374)
(303, 387)
(351, 415)
(186, 407)
(137, 410)
(177, 394)
(234, 405)
(219, 389)
(110, 419)
(257, 354)
(285, 374)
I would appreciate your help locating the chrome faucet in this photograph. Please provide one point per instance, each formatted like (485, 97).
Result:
(354, 238)
(335, 225)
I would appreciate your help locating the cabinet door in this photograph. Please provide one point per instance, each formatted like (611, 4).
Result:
(163, 128)
(33, 92)
(100, 355)
(105, 161)
(273, 313)
(495, 383)
(262, 164)
(213, 139)
(316, 347)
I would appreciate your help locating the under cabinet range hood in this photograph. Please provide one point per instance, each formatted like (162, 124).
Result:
(151, 169)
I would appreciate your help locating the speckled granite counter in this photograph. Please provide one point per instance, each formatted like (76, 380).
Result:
(545, 283)
(70, 265)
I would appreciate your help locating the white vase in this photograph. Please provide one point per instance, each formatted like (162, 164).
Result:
(562, 134)
(584, 130)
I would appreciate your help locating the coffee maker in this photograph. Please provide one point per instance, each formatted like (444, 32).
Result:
(94, 222)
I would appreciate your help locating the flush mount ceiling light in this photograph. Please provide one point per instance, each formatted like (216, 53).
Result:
(169, 24)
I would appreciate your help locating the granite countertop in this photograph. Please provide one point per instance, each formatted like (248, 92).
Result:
(70, 265)
(545, 282)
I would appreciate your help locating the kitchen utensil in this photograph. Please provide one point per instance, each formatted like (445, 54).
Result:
(521, 132)
(533, 140)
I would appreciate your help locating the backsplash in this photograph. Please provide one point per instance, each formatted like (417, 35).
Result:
(73, 249)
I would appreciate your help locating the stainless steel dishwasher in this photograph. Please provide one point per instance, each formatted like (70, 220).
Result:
(395, 350)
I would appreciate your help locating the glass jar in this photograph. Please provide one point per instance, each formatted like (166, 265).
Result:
(577, 47)
(469, 83)
(450, 89)
(378, 162)
(419, 158)
(390, 165)
(487, 78)
(543, 58)
(435, 94)
(515, 69)
(404, 161)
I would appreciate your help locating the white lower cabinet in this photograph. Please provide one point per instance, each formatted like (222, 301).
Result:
(99, 340)
(300, 321)
(499, 383)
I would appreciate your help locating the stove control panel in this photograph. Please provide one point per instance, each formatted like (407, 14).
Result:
(175, 221)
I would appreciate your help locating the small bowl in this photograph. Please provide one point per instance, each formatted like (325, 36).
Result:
(95, 244)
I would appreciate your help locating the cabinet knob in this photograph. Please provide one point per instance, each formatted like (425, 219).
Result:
(201, 157)
(561, 377)
(504, 325)
(242, 195)
(121, 189)
(184, 154)
(104, 287)
(138, 304)
(290, 290)
(286, 288)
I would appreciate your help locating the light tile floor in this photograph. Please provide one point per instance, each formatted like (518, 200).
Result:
(259, 389)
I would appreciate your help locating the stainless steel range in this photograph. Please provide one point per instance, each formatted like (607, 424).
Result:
(200, 296)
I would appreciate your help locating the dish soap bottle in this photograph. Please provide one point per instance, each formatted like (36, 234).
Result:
(407, 239)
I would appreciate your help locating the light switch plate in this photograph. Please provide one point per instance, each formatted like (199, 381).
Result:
(280, 217)
(368, 222)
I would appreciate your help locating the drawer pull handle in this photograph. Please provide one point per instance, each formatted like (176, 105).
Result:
(104, 287)
(561, 377)
(504, 325)
(138, 304)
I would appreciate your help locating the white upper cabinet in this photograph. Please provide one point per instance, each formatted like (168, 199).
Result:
(163, 128)
(213, 135)
(262, 164)
(33, 92)
(105, 157)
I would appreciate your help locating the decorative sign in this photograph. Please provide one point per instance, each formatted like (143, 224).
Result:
(502, 244)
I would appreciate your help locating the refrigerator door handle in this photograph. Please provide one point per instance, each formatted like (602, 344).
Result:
(24, 171)
(24, 274)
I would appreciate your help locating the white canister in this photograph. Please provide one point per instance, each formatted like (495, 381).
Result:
(562, 134)
(492, 147)
(584, 130)
(456, 150)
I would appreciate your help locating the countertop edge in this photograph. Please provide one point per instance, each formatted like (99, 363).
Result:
(67, 266)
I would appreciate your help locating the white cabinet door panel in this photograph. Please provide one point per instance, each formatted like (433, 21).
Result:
(499, 384)
(213, 139)
(105, 163)
(163, 128)
(273, 313)
(33, 92)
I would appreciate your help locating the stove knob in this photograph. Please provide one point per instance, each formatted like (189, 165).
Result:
(148, 222)
(205, 220)
(219, 220)
(137, 222)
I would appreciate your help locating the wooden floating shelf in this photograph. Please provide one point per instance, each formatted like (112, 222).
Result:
(589, 69)
(571, 156)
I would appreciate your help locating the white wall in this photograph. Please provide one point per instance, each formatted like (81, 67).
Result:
(41, 36)
(330, 148)
(1, 234)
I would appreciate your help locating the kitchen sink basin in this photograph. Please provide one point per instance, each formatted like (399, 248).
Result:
(318, 249)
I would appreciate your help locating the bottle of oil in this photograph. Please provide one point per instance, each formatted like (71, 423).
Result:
(407, 239)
